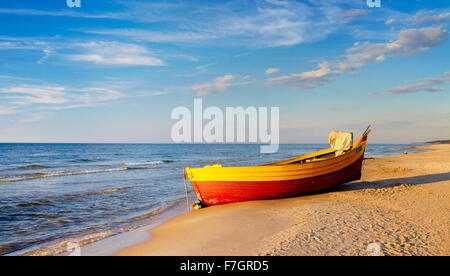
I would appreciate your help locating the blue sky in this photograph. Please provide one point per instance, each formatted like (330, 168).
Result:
(112, 71)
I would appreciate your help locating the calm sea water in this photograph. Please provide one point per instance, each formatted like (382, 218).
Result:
(52, 192)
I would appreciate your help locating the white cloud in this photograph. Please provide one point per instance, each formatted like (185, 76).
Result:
(424, 85)
(427, 16)
(203, 68)
(70, 106)
(55, 97)
(277, 26)
(271, 23)
(296, 81)
(21, 43)
(184, 57)
(47, 52)
(218, 84)
(409, 41)
(324, 69)
(305, 80)
(414, 40)
(152, 36)
(56, 13)
(389, 21)
(36, 94)
(115, 53)
(352, 14)
(97, 52)
(278, 2)
(271, 71)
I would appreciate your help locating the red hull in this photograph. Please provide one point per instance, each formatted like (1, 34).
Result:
(220, 192)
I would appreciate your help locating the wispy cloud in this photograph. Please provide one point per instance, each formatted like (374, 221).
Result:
(115, 53)
(278, 2)
(64, 13)
(269, 23)
(423, 85)
(7, 110)
(44, 97)
(92, 51)
(271, 71)
(431, 16)
(389, 21)
(272, 23)
(353, 14)
(418, 18)
(305, 80)
(24, 95)
(409, 41)
(22, 43)
(47, 52)
(204, 68)
(154, 36)
(218, 84)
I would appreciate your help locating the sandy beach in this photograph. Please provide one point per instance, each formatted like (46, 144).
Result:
(401, 203)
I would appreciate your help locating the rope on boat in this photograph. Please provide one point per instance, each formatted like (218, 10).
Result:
(186, 191)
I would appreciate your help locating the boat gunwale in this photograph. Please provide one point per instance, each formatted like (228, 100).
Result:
(296, 166)
(276, 175)
(270, 182)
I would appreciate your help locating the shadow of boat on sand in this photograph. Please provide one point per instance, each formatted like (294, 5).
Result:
(379, 184)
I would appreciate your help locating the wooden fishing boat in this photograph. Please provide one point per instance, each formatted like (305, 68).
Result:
(303, 174)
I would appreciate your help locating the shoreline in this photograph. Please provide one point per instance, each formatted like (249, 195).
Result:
(401, 203)
(107, 242)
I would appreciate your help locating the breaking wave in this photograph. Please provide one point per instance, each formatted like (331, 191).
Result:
(148, 163)
(30, 176)
(31, 167)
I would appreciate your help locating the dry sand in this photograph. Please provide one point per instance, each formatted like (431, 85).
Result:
(401, 203)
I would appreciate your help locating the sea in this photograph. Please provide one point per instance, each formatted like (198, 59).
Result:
(54, 193)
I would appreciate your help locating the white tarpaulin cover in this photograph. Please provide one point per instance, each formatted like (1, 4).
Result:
(340, 141)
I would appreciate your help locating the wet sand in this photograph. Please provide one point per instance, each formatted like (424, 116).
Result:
(402, 204)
